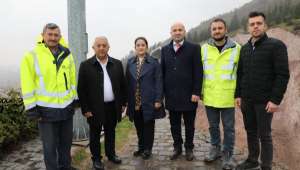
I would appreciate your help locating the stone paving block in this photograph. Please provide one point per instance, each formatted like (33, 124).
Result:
(30, 155)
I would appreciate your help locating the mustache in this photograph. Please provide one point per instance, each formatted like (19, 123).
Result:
(219, 39)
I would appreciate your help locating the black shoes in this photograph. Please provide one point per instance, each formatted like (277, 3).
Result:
(176, 154)
(138, 153)
(71, 168)
(214, 154)
(115, 159)
(189, 156)
(248, 165)
(98, 165)
(146, 155)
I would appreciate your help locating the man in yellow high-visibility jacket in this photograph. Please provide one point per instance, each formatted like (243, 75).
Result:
(220, 57)
(48, 83)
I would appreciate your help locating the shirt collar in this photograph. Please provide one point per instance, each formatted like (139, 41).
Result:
(101, 62)
(96, 60)
(181, 42)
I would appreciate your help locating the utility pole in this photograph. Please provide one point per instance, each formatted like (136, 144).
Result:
(78, 44)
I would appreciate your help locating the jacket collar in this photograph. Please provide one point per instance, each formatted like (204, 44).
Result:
(171, 44)
(133, 59)
(145, 68)
(95, 61)
(259, 41)
(229, 43)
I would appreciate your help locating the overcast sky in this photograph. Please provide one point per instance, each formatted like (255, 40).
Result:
(120, 20)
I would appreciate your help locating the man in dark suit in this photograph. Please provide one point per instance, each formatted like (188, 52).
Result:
(102, 95)
(182, 76)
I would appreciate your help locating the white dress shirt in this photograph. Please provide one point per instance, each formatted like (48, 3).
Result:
(107, 87)
(175, 46)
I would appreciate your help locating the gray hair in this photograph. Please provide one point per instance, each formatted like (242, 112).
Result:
(50, 26)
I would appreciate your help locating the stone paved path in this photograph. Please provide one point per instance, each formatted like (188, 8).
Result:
(30, 157)
(162, 150)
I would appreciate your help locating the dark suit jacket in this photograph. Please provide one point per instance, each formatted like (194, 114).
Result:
(182, 75)
(150, 85)
(90, 87)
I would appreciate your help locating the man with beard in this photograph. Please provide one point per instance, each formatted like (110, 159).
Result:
(220, 56)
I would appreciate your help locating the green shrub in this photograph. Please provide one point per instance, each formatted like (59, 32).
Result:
(14, 125)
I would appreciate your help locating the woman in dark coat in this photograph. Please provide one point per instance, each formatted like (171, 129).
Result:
(144, 79)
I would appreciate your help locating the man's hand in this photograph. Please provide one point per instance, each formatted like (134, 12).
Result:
(157, 105)
(195, 98)
(88, 114)
(238, 102)
(271, 107)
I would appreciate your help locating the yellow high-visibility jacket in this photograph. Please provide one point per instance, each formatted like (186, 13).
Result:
(45, 83)
(220, 73)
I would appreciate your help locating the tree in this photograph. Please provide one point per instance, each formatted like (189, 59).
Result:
(234, 23)
(297, 11)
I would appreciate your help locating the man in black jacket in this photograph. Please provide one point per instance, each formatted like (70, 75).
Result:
(102, 95)
(263, 75)
(182, 78)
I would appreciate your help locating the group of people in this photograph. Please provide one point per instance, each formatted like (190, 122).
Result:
(221, 73)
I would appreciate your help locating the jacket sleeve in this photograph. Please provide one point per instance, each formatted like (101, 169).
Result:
(73, 77)
(281, 71)
(123, 86)
(239, 76)
(163, 69)
(28, 86)
(82, 89)
(197, 71)
(158, 83)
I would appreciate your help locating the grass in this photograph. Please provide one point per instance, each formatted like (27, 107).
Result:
(123, 130)
(79, 157)
(122, 133)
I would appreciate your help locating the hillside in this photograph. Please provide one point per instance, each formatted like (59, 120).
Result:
(280, 13)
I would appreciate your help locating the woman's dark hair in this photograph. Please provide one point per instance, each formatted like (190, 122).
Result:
(141, 38)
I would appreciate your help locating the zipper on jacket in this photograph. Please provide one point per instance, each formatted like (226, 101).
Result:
(66, 81)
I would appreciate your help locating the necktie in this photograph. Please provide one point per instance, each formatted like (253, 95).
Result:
(177, 45)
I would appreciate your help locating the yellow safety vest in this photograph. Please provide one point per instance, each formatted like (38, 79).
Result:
(220, 71)
(42, 84)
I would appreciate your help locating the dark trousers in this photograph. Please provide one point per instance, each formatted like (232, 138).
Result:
(57, 140)
(109, 133)
(258, 127)
(189, 123)
(227, 116)
(144, 130)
